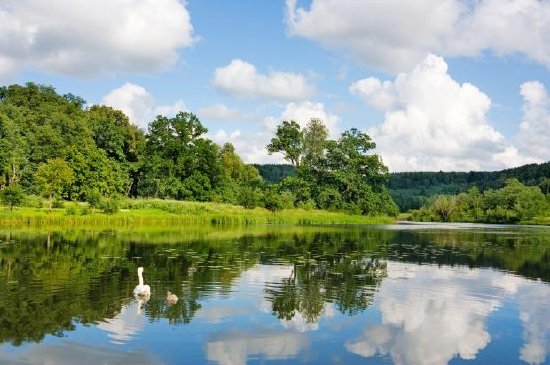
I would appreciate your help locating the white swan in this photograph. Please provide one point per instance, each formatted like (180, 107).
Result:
(171, 298)
(142, 290)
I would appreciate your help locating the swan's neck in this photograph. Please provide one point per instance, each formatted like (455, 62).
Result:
(140, 277)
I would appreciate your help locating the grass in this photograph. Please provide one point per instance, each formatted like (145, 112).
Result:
(157, 212)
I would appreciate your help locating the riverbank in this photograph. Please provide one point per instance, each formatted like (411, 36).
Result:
(155, 212)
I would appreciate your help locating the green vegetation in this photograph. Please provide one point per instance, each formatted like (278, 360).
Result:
(513, 203)
(167, 213)
(411, 190)
(332, 174)
(54, 147)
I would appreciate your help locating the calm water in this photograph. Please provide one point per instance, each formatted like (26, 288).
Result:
(411, 294)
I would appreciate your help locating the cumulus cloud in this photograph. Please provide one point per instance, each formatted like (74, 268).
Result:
(432, 122)
(84, 38)
(139, 105)
(221, 112)
(241, 79)
(533, 137)
(250, 145)
(396, 35)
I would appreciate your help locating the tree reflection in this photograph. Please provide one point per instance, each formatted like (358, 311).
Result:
(348, 281)
(52, 282)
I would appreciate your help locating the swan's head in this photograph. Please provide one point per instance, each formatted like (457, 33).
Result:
(140, 270)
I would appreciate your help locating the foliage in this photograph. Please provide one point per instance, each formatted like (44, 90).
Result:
(55, 146)
(274, 173)
(288, 140)
(337, 174)
(411, 190)
(53, 177)
(513, 203)
(110, 205)
(12, 196)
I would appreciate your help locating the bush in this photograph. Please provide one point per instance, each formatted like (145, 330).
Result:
(71, 208)
(307, 205)
(85, 209)
(93, 197)
(32, 201)
(287, 200)
(249, 197)
(109, 205)
(273, 200)
(58, 203)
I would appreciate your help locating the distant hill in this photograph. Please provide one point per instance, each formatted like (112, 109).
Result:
(410, 190)
(275, 173)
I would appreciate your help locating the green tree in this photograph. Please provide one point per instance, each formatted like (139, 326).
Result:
(444, 206)
(12, 196)
(53, 177)
(288, 140)
(315, 142)
(180, 162)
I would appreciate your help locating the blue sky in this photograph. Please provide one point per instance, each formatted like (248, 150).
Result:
(438, 84)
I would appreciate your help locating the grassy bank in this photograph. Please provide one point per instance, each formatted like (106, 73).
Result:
(156, 212)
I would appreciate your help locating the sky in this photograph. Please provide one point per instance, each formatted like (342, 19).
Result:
(451, 85)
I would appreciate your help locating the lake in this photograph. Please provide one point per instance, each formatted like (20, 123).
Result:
(405, 294)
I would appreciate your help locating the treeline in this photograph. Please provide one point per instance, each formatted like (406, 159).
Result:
(411, 190)
(513, 203)
(274, 173)
(55, 147)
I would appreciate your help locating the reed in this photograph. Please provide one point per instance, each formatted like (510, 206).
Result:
(156, 212)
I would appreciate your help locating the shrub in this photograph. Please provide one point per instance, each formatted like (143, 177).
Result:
(85, 209)
(32, 201)
(71, 208)
(58, 203)
(93, 197)
(109, 205)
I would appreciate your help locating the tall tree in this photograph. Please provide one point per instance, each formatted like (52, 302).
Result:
(180, 162)
(315, 142)
(289, 140)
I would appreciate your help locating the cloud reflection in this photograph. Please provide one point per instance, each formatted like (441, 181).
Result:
(71, 353)
(432, 314)
(126, 324)
(234, 348)
(535, 316)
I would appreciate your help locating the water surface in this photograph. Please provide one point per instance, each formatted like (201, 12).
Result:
(405, 294)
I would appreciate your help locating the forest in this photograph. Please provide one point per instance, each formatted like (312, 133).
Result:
(411, 190)
(57, 148)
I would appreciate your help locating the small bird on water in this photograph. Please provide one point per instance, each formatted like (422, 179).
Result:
(171, 298)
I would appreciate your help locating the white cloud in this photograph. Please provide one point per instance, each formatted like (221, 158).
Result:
(304, 111)
(139, 105)
(86, 38)
(396, 35)
(251, 145)
(241, 78)
(434, 123)
(534, 136)
(221, 112)
(169, 110)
